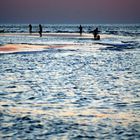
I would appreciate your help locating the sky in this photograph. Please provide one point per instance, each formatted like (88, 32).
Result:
(69, 11)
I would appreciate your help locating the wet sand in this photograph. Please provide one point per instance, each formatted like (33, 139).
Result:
(11, 48)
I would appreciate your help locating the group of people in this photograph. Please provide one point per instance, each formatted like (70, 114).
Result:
(40, 29)
(95, 32)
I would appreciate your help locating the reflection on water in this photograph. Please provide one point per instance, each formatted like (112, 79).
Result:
(64, 94)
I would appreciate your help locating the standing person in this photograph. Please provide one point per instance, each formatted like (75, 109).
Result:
(40, 30)
(95, 33)
(30, 28)
(81, 30)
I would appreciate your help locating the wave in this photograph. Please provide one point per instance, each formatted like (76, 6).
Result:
(120, 46)
(124, 33)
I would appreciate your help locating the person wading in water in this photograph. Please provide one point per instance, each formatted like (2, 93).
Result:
(40, 30)
(30, 28)
(81, 30)
(96, 35)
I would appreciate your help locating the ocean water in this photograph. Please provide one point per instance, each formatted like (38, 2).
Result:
(85, 90)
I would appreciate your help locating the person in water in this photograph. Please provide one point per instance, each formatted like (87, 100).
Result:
(40, 30)
(81, 30)
(30, 28)
(96, 35)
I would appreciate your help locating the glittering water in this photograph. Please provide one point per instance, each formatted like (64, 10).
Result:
(72, 93)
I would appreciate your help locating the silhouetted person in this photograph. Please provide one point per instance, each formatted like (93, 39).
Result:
(1, 31)
(40, 30)
(30, 28)
(95, 33)
(97, 37)
(81, 30)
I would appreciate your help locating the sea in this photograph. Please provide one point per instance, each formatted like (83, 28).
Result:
(87, 89)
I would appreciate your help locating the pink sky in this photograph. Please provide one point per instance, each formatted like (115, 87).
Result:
(70, 11)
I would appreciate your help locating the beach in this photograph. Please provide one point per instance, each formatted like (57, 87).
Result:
(66, 86)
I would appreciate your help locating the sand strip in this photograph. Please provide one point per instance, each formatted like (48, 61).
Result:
(12, 48)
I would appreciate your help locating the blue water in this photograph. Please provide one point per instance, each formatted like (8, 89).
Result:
(87, 91)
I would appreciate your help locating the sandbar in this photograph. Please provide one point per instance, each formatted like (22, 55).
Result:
(12, 48)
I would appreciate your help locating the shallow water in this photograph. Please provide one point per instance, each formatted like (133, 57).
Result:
(75, 92)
